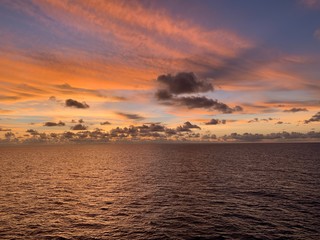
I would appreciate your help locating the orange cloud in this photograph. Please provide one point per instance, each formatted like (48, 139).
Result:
(137, 28)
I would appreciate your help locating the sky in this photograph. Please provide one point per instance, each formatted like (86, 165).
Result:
(183, 70)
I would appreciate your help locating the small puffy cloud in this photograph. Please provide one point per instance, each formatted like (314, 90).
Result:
(79, 127)
(105, 123)
(80, 121)
(294, 110)
(33, 132)
(215, 122)
(209, 136)
(314, 118)
(68, 135)
(279, 122)
(154, 127)
(190, 125)
(53, 124)
(53, 99)
(131, 116)
(186, 127)
(183, 129)
(255, 120)
(170, 131)
(76, 104)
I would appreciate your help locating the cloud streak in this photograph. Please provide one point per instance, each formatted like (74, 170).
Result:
(314, 118)
(130, 116)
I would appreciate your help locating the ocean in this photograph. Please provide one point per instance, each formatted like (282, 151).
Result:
(160, 191)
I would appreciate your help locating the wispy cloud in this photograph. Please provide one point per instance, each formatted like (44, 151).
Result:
(316, 34)
(131, 116)
(294, 110)
(313, 4)
(314, 118)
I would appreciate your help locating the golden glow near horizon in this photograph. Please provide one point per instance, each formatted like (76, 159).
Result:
(150, 70)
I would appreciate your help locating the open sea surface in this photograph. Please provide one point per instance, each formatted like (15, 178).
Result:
(160, 191)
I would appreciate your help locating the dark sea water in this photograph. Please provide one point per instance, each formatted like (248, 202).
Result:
(160, 191)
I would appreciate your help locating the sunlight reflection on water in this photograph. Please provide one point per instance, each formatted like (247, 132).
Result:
(160, 191)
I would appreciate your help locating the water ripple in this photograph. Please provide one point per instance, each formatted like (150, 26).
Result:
(160, 191)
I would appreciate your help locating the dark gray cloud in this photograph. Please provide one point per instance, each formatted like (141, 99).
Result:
(215, 122)
(186, 127)
(170, 131)
(130, 116)
(184, 82)
(152, 131)
(68, 135)
(79, 127)
(163, 94)
(314, 118)
(204, 102)
(53, 124)
(33, 132)
(76, 104)
(183, 129)
(105, 123)
(145, 130)
(190, 125)
(252, 137)
(154, 127)
(261, 120)
(294, 110)
(209, 136)
(187, 83)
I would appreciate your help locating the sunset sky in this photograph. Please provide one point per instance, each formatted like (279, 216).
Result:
(165, 70)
